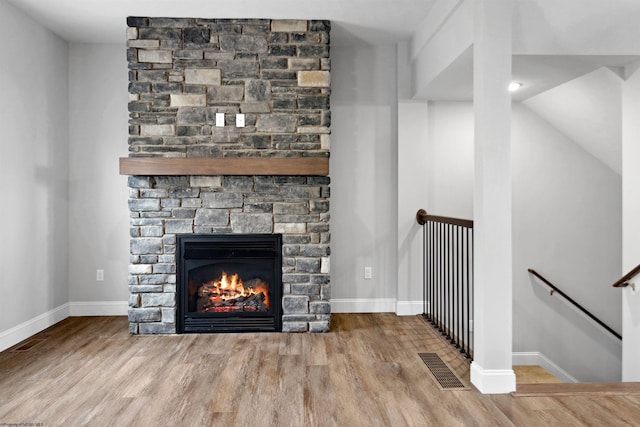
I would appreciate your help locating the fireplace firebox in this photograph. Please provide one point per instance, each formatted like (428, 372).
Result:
(229, 283)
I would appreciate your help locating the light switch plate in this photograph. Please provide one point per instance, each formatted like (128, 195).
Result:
(239, 120)
(220, 120)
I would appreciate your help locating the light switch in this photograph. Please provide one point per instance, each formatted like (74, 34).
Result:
(220, 120)
(239, 120)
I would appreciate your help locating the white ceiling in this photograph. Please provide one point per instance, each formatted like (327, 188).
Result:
(353, 21)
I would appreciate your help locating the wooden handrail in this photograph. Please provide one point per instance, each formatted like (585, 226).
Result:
(578, 306)
(624, 280)
(422, 217)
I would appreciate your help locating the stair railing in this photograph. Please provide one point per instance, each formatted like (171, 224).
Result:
(555, 289)
(448, 277)
(624, 281)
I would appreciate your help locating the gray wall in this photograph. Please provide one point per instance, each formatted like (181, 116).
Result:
(98, 212)
(363, 173)
(566, 225)
(33, 169)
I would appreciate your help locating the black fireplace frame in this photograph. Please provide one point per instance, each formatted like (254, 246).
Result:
(227, 247)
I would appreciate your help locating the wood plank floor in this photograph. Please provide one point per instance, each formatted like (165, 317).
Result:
(365, 372)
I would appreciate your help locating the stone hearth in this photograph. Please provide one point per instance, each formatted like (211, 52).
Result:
(182, 73)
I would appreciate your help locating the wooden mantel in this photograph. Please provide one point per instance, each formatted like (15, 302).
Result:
(315, 166)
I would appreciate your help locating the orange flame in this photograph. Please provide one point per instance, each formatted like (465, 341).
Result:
(228, 287)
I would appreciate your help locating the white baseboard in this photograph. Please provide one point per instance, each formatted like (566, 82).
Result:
(98, 308)
(533, 358)
(493, 381)
(378, 305)
(21, 332)
(409, 308)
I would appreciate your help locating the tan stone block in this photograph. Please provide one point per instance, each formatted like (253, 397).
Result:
(132, 33)
(209, 77)
(288, 25)
(144, 44)
(157, 130)
(325, 142)
(314, 79)
(206, 181)
(188, 100)
(157, 56)
(255, 107)
(313, 129)
(290, 228)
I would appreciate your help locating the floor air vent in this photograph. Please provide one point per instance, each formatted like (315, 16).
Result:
(444, 376)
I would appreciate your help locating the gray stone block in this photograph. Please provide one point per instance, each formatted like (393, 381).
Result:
(157, 328)
(139, 205)
(294, 327)
(151, 231)
(215, 217)
(158, 300)
(222, 200)
(224, 93)
(239, 69)
(251, 223)
(305, 289)
(204, 151)
(276, 123)
(178, 226)
(152, 279)
(192, 115)
(196, 36)
(168, 315)
(320, 278)
(313, 102)
(134, 300)
(282, 50)
(319, 307)
(145, 245)
(314, 250)
(295, 304)
(315, 51)
(164, 268)
(236, 42)
(257, 90)
(299, 317)
(300, 208)
(319, 326)
(300, 192)
(145, 288)
(144, 314)
(307, 265)
(183, 213)
(238, 183)
(148, 259)
(274, 63)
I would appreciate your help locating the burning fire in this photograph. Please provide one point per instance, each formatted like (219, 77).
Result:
(230, 287)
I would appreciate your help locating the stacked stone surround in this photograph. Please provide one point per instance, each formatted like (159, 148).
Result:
(181, 73)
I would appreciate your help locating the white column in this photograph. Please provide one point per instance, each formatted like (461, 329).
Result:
(491, 370)
(631, 225)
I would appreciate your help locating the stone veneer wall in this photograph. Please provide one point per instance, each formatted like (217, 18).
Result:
(182, 72)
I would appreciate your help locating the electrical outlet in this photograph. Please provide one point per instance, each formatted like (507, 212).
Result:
(368, 272)
(220, 120)
(239, 120)
(99, 275)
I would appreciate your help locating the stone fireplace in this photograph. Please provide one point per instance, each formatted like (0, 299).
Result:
(229, 135)
(229, 283)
